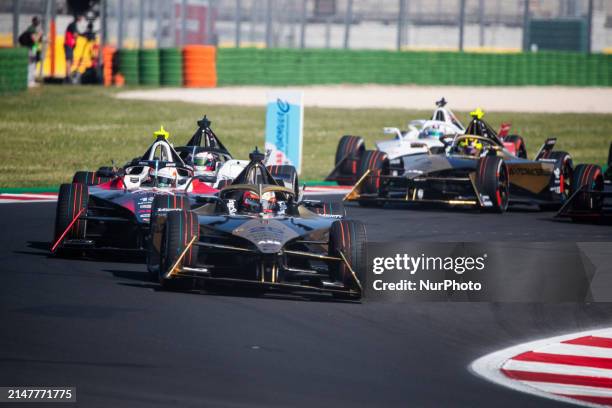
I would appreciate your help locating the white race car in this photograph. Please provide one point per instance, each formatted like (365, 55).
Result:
(422, 136)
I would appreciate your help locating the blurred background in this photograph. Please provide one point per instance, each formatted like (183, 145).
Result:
(205, 43)
(491, 25)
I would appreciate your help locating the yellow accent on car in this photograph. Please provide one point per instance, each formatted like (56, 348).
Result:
(161, 132)
(478, 113)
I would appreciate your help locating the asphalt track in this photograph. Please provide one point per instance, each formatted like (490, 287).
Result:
(99, 325)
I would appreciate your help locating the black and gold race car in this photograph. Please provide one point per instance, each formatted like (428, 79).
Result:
(258, 233)
(474, 170)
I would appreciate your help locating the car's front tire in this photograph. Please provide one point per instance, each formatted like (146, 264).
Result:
(161, 203)
(180, 228)
(71, 200)
(493, 182)
(348, 237)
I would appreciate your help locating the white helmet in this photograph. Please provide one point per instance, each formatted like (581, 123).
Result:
(268, 202)
(205, 161)
(166, 177)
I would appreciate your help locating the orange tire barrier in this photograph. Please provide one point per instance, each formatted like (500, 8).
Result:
(199, 66)
(108, 54)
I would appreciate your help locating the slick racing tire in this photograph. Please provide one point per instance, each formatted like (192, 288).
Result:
(330, 209)
(88, 178)
(181, 227)
(72, 200)
(287, 174)
(588, 175)
(519, 145)
(162, 203)
(563, 170)
(375, 161)
(352, 147)
(348, 236)
(492, 181)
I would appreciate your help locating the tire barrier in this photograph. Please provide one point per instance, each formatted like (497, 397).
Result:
(199, 66)
(171, 67)
(251, 66)
(13, 70)
(128, 66)
(148, 67)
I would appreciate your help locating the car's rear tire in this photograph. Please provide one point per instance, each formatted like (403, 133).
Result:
(519, 145)
(72, 198)
(180, 228)
(492, 180)
(588, 175)
(375, 161)
(348, 236)
(286, 173)
(161, 203)
(89, 178)
(353, 148)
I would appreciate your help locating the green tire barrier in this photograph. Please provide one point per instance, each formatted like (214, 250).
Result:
(149, 67)
(13, 70)
(250, 66)
(128, 66)
(171, 66)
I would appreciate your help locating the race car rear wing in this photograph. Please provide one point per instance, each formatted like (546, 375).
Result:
(546, 148)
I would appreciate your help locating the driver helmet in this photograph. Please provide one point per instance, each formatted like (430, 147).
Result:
(471, 145)
(250, 201)
(431, 133)
(205, 161)
(268, 202)
(166, 177)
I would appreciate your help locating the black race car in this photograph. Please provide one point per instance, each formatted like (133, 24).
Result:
(257, 233)
(474, 170)
(116, 213)
(592, 200)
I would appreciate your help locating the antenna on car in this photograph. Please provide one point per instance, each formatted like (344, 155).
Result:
(256, 155)
(441, 103)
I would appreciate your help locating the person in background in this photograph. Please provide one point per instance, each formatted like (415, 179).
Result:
(70, 40)
(32, 39)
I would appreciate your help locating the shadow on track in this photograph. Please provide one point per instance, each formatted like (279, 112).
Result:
(141, 280)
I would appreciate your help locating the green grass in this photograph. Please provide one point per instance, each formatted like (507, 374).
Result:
(49, 133)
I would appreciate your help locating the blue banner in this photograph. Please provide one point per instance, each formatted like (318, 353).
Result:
(284, 128)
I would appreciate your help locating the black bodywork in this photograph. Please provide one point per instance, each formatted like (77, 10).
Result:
(450, 177)
(287, 249)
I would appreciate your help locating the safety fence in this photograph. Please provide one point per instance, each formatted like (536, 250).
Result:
(13, 69)
(242, 66)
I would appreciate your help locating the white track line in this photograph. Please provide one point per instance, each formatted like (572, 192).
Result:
(569, 389)
(576, 350)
